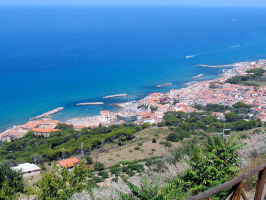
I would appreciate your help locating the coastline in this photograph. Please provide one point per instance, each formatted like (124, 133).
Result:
(237, 64)
(226, 73)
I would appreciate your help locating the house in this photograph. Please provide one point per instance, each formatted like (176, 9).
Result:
(68, 163)
(28, 169)
(42, 127)
(154, 95)
(106, 115)
(79, 127)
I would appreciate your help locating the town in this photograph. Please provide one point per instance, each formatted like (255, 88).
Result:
(151, 109)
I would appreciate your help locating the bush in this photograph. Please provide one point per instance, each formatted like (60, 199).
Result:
(126, 162)
(168, 144)
(140, 143)
(11, 182)
(98, 166)
(154, 140)
(153, 149)
(115, 170)
(136, 148)
(96, 179)
(114, 179)
(212, 165)
(43, 168)
(130, 150)
(103, 174)
(89, 160)
(162, 142)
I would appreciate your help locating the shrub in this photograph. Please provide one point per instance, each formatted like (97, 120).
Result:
(130, 150)
(153, 149)
(43, 168)
(126, 161)
(212, 165)
(168, 144)
(98, 166)
(89, 160)
(154, 140)
(118, 155)
(140, 143)
(115, 171)
(162, 142)
(136, 148)
(96, 179)
(114, 179)
(103, 174)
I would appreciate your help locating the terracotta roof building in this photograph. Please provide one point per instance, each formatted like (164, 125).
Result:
(68, 163)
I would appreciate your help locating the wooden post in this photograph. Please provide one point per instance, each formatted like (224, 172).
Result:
(236, 192)
(243, 195)
(260, 184)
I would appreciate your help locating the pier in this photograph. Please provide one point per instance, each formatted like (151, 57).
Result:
(48, 113)
(162, 85)
(191, 83)
(90, 103)
(115, 95)
(198, 76)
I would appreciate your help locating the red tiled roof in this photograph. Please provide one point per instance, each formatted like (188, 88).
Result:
(44, 130)
(105, 111)
(69, 162)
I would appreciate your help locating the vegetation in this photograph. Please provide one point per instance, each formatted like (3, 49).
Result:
(11, 182)
(212, 165)
(62, 183)
(98, 166)
(62, 143)
(254, 78)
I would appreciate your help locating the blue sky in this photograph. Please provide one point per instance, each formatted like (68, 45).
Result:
(137, 2)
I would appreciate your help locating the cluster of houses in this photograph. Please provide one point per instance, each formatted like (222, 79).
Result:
(39, 127)
(29, 169)
(151, 109)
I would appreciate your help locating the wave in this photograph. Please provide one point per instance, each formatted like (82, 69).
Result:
(235, 46)
(190, 56)
(213, 51)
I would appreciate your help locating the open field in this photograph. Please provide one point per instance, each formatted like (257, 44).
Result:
(127, 151)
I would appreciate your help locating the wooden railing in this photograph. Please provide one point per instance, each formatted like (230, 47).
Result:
(236, 185)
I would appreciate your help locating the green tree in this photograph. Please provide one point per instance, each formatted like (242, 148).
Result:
(98, 166)
(210, 119)
(62, 183)
(212, 165)
(241, 105)
(11, 182)
(256, 71)
(232, 117)
(89, 160)
(146, 125)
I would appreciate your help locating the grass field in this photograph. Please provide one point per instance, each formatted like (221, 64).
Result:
(127, 151)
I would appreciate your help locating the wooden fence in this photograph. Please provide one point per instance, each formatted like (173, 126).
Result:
(236, 185)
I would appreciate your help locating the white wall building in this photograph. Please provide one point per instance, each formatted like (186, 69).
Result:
(28, 169)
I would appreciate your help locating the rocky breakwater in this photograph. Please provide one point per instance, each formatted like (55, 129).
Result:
(162, 85)
(198, 76)
(48, 113)
(114, 95)
(90, 103)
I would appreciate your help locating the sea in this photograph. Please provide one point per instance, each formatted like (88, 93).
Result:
(58, 56)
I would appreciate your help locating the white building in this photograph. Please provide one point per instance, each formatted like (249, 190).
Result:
(28, 169)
